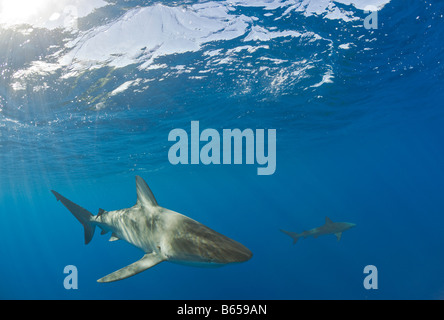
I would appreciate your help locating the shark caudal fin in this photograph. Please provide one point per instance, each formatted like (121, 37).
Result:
(295, 236)
(83, 215)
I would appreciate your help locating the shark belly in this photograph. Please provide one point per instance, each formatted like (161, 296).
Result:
(133, 226)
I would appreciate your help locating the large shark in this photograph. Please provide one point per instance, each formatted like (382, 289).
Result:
(329, 227)
(162, 234)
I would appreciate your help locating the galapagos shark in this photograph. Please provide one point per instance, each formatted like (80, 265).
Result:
(162, 234)
(329, 227)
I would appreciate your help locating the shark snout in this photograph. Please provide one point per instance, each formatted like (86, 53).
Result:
(246, 255)
(241, 253)
(232, 252)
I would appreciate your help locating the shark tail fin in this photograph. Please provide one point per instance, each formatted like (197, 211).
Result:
(295, 236)
(82, 215)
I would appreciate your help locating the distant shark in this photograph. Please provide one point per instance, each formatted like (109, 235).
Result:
(329, 227)
(162, 234)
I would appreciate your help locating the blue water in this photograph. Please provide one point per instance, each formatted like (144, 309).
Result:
(365, 146)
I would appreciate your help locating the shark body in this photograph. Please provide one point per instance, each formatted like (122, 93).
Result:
(329, 227)
(162, 234)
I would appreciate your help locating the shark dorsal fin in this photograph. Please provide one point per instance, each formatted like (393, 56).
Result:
(144, 195)
(328, 220)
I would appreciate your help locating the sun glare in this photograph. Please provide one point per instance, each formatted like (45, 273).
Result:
(23, 11)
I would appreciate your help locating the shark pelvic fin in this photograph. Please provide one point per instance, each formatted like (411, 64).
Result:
(114, 237)
(145, 196)
(149, 260)
(82, 215)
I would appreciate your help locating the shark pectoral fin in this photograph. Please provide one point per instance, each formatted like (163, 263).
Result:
(338, 235)
(149, 260)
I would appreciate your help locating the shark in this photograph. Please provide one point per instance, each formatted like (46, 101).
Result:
(330, 227)
(162, 235)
